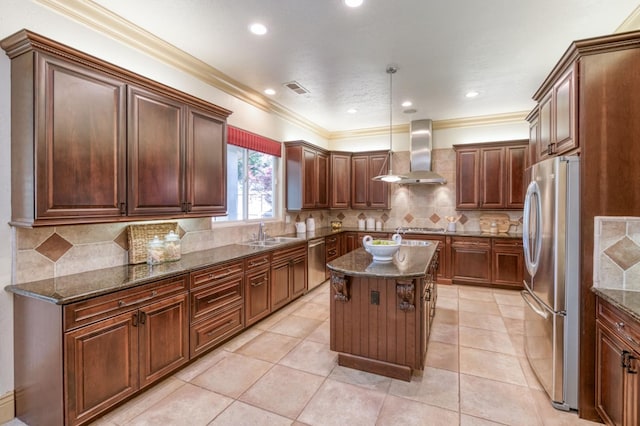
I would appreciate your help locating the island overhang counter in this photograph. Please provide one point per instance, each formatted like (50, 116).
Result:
(381, 313)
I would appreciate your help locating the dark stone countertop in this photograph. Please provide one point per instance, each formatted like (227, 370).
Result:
(408, 262)
(445, 233)
(73, 288)
(625, 300)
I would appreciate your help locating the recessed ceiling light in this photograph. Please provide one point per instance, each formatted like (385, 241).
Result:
(258, 29)
(269, 91)
(352, 110)
(353, 3)
(472, 94)
(407, 104)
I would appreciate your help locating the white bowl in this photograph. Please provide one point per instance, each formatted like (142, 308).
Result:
(382, 250)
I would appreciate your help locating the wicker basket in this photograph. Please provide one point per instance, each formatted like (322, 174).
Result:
(140, 235)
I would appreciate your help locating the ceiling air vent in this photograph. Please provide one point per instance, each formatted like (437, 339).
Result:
(296, 87)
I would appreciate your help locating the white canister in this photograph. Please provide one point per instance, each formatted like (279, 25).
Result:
(301, 228)
(451, 227)
(361, 224)
(311, 224)
(378, 226)
(371, 224)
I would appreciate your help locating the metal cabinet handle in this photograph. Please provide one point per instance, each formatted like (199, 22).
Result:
(620, 327)
(123, 304)
(258, 283)
(212, 332)
(252, 264)
(217, 277)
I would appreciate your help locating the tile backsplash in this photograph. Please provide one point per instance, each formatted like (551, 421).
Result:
(616, 253)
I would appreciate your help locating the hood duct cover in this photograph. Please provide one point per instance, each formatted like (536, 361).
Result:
(420, 146)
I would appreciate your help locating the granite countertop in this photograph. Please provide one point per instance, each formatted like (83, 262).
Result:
(446, 233)
(627, 301)
(408, 262)
(73, 288)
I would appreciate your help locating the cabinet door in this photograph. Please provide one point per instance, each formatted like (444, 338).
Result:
(471, 261)
(534, 136)
(80, 142)
(350, 242)
(281, 275)
(467, 178)
(206, 163)
(564, 114)
(298, 276)
(378, 190)
(256, 296)
(156, 158)
(610, 377)
(101, 365)
(309, 177)
(508, 263)
(544, 118)
(164, 337)
(322, 180)
(516, 185)
(359, 182)
(492, 178)
(340, 181)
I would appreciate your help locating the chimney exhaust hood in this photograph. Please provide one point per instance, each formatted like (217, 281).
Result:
(420, 145)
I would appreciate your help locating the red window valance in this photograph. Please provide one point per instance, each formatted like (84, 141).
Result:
(252, 141)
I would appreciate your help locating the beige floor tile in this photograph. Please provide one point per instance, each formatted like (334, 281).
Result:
(143, 401)
(515, 312)
(491, 365)
(201, 365)
(294, 389)
(189, 403)
(444, 333)
(446, 290)
(340, 404)
(442, 355)
(532, 380)
(479, 306)
(517, 340)
(321, 297)
(295, 326)
(321, 334)
(241, 414)
(269, 346)
(478, 294)
(447, 316)
(312, 357)
(98, 422)
(509, 299)
(497, 401)
(466, 420)
(447, 302)
(400, 411)
(481, 320)
(514, 326)
(360, 378)
(553, 417)
(271, 320)
(436, 387)
(238, 341)
(316, 311)
(232, 375)
(486, 339)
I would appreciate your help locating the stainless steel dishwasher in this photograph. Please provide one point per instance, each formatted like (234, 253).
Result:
(316, 262)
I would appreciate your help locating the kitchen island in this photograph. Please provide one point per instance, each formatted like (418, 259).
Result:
(381, 313)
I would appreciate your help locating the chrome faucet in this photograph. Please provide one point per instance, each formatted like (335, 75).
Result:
(261, 233)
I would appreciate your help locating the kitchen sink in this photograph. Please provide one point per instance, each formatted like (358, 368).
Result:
(271, 241)
(415, 243)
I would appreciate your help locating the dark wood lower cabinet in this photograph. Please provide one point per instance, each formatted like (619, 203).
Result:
(617, 366)
(508, 262)
(257, 294)
(471, 260)
(288, 275)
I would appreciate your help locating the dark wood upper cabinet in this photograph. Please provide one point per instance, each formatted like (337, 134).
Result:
(307, 176)
(92, 142)
(340, 180)
(366, 193)
(490, 176)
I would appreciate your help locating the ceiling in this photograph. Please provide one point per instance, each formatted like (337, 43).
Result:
(502, 49)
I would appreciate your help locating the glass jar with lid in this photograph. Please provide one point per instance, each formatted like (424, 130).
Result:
(172, 247)
(155, 251)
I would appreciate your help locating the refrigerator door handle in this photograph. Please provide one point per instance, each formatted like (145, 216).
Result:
(532, 200)
(541, 312)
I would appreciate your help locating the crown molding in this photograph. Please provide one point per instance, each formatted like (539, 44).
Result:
(104, 21)
(632, 22)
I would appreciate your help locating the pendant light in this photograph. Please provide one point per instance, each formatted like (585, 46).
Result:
(390, 177)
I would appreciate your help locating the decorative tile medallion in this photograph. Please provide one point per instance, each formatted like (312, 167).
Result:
(384, 217)
(408, 217)
(625, 253)
(463, 219)
(341, 216)
(122, 239)
(616, 254)
(362, 216)
(54, 247)
(434, 218)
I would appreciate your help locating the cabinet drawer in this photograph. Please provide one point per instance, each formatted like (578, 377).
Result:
(98, 308)
(216, 296)
(332, 253)
(257, 262)
(209, 332)
(620, 323)
(289, 252)
(470, 242)
(506, 243)
(211, 275)
(331, 241)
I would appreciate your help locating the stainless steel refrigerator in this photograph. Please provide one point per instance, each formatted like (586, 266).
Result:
(551, 224)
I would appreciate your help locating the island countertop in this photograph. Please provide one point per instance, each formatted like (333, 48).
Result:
(408, 262)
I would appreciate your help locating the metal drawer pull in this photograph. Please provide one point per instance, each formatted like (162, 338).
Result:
(212, 332)
(122, 303)
(256, 284)
(620, 328)
(252, 264)
(217, 277)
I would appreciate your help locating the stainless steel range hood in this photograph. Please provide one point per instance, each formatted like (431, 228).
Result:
(420, 145)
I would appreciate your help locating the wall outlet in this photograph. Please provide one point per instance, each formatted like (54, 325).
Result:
(287, 219)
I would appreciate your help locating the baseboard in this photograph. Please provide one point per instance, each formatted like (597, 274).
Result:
(7, 412)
